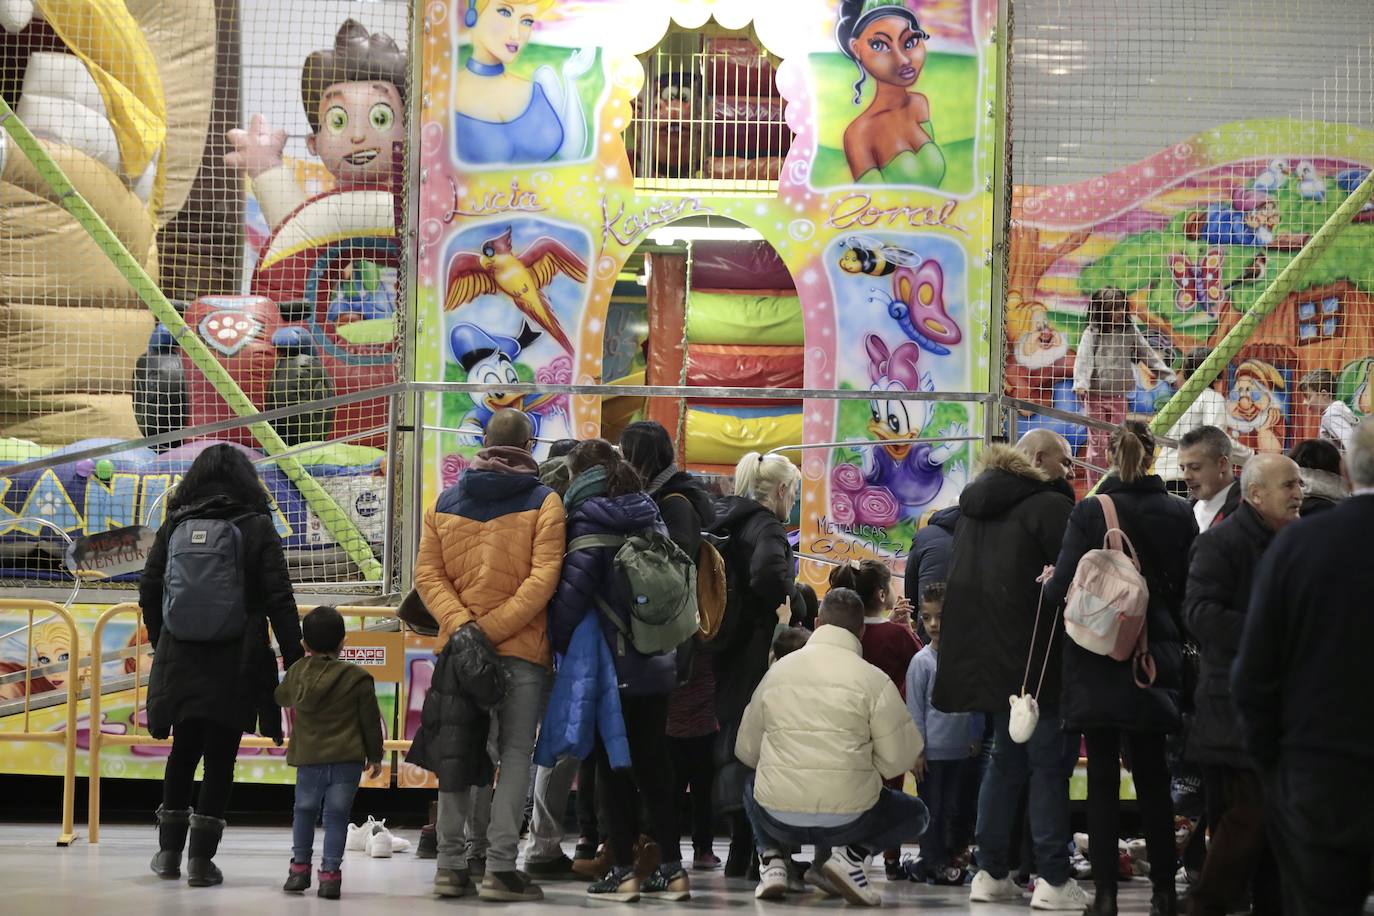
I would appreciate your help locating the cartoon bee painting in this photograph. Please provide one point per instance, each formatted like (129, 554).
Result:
(861, 254)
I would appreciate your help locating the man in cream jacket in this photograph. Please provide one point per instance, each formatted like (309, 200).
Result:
(822, 732)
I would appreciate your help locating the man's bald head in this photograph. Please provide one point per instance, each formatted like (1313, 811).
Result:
(1272, 485)
(1048, 451)
(509, 427)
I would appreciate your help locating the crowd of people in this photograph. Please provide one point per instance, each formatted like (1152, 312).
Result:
(565, 654)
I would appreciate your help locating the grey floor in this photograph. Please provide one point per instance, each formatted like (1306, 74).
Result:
(112, 878)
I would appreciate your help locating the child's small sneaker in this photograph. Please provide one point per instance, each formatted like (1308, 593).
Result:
(452, 882)
(772, 876)
(297, 879)
(845, 869)
(381, 844)
(668, 882)
(903, 869)
(620, 885)
(330, 883)
(509, 886)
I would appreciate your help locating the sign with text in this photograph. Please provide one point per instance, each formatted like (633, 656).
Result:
(380, 653)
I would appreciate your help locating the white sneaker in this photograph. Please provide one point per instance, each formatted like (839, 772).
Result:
(358, 834)
(1068, 897)
(381, 844)
(987, 889)
(772, 876)
(845, 869)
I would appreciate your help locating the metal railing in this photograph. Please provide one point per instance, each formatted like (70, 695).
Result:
(67, 736)
(98, 739)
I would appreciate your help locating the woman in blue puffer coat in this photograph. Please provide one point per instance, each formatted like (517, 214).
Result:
(607, 496)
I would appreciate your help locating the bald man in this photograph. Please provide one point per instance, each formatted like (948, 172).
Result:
(1220, 575)
(490, 556)
(1011, 527)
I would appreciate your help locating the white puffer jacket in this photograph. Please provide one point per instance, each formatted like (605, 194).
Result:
(824, 729)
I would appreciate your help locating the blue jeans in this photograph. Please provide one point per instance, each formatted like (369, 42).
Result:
(332, 785)
(1047, 762)
(896, 818)
(941, 790)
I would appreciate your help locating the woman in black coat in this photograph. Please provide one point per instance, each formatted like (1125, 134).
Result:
(760, 579)
(1100, 697)
(207, 694)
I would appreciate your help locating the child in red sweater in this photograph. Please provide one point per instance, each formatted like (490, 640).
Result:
(888, 645)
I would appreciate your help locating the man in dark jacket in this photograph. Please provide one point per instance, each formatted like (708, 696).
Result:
(1300, 684)
(1011, 526)
(1204, 454)
(1219, 578)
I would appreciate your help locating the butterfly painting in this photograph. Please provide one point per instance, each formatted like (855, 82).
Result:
(1198, 284)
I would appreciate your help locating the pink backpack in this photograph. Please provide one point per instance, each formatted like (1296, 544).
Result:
(1105, 609)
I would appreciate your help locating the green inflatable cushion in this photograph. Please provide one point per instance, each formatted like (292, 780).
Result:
(339, 454)
(739, 318)
(371, 331)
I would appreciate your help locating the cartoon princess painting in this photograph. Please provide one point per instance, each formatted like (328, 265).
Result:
(501, 118)
(893, 141)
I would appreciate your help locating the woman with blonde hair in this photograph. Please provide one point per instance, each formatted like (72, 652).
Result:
(1114, 704)
(760, 577)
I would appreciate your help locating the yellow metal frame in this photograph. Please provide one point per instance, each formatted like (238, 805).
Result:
(66, 737)
(99, 739)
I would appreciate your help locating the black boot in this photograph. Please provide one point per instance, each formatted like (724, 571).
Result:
(1104, 902)
(205, 836)
(171, 840)
(1164, 902)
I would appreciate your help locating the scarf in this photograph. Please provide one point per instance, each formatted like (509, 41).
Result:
(664, 476)
(588, 484)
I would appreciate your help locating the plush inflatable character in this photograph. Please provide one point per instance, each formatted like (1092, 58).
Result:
(238, 330)
(331, 262)
(354, 97)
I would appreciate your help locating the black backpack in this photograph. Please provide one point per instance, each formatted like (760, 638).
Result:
(203, 589)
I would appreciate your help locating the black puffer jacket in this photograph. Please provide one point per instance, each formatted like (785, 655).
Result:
(1010, 528)
(1220, 574)
(1100, 692)
(687, 510)
(468, 682)
(930, 550)
(229, 683)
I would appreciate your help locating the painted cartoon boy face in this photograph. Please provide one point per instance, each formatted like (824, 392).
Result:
(1266, 216)
(359, 122)
(503, 29)
(890, 51)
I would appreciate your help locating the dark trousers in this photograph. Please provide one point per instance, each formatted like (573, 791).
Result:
(1151, 775)
(586, 802)
(942, 791)
(894, 819)
(195, 740)
(694, 764)
(651, 773)
(1239, 852)
(1321, 823)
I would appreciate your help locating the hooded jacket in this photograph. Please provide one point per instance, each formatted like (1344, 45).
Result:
(824, 729)
(336, 715)
(490, 552)
(588, 574)
(1220, 573)
(929, 558)
(1098, 691)
(1011, 525)
(451, 742)
(230, 683)
(687, 510)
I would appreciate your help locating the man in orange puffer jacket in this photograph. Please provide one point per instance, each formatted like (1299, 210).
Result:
(490, 554)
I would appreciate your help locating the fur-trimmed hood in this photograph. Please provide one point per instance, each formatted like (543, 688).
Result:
(1323, 485)
(1006, 479)
(1010, 459)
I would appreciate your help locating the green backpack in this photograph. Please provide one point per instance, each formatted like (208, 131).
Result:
(656, 581)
